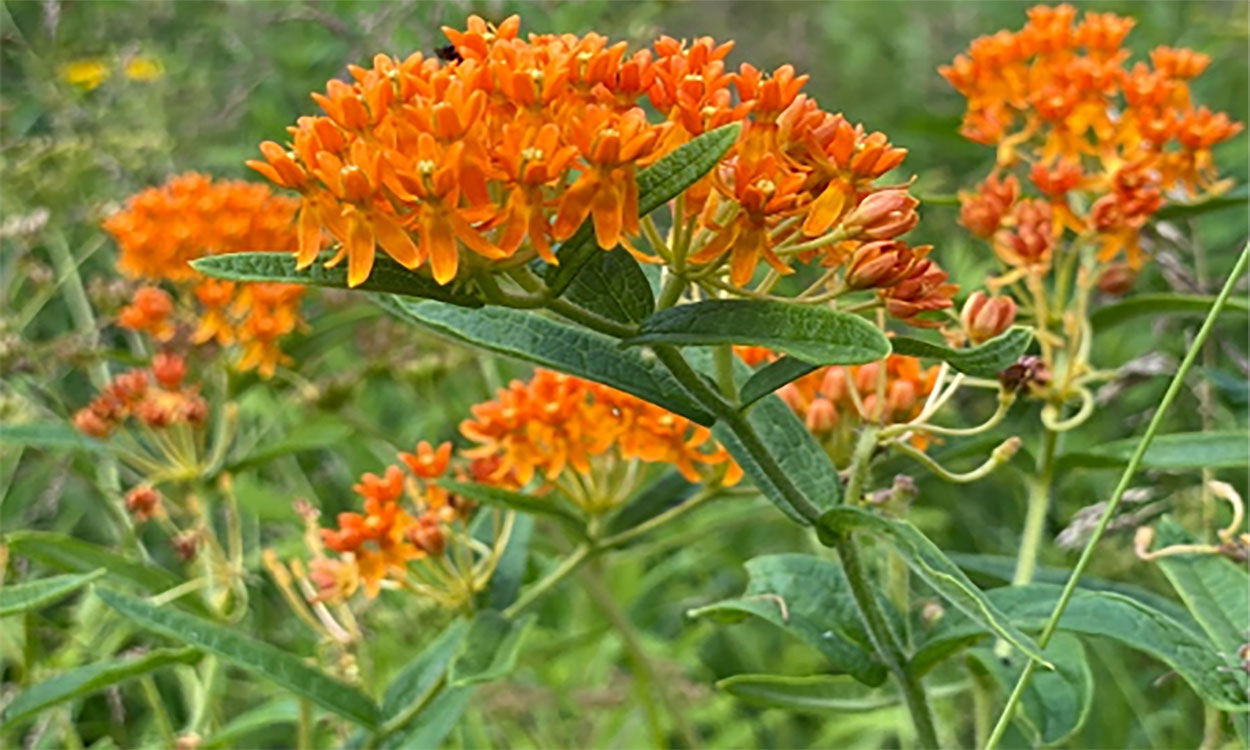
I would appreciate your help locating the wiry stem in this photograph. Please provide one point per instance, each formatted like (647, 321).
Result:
(1174, 388)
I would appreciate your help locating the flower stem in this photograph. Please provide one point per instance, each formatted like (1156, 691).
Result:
(1038, 507)
(570, 564)
(1174, 388)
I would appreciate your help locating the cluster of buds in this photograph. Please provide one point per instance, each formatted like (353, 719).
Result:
(1107, 144)
(479, 161)
(835, 401)
(163, 229)
(154, 397)
(586, 440)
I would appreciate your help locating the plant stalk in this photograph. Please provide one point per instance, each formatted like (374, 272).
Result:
(1174, 388)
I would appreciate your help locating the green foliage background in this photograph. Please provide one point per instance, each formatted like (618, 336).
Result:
(236, 73)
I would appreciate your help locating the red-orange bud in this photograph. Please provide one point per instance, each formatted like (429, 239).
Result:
(985, 317)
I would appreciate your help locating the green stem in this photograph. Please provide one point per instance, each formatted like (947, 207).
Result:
(1038, 507)
(1174, 388)
(398, 721)
(860, 462)
(723, 357)
(570, 564)
(629, 535)
(670, 292)
(885, 641)
(163, 724)
(304, 730)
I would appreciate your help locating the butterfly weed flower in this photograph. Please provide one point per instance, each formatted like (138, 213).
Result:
(588, 442)
(162, 229)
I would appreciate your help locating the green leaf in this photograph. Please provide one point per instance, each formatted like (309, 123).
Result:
(307, 438)
(664, 493)
(20, 597)
(387, 276)
(505, 582)
(790, 443)
(810, 599)
(1056, 703)
(1164, 303)
(984, 361)
(275, 712)
(1002, 568)
(657, 184)
(819, 694)
(772, 376)
(1182, 210)
(1099, 613)
(816, 335)
(548, 343)
(490, 649)
(550, 506)
(85, 680)
(937, 570)
(1177, 451)
(248, 654)
(612, 284)
(72, 555)
(424, 671)
(1214, 588)
(55, 435)
(435, 721)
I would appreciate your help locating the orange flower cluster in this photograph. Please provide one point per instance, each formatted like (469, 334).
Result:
(154, 396)
(511, 144)
(1058, 95)
(164, 228)
(379, 543)
(557, 422)
(833, 401)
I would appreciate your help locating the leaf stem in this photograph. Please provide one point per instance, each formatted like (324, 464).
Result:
(1174, 388)
(1038, 507)
(570, 564)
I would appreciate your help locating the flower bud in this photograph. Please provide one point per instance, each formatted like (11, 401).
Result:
(1031, 241)
(985, 317)
(194, 410)
(89, 423)
(1117, 279)
(186, 545)
(428, 537)
(883, 215)
(982, 212)
(143, 503)
(169, 370)
(821, 417)
(877, 265)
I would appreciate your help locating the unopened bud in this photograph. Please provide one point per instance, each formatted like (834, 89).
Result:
(883, 215)
(821, 417)
(169, 370)
(985, 317)
(143, 503)
(1117, 279)
(1029, 370)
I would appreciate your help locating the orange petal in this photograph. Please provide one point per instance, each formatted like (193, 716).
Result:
(309, 230)
(439, 240)
(606, 208)
(395, 241)
(575, 206)
(825, 210)
(360, 249)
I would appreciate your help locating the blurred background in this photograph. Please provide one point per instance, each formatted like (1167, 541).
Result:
(100, 99)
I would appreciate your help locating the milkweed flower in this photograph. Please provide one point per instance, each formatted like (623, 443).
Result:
(162, 229)
(481, 159)
(408, 535)
(1108, 144)
(556, 426)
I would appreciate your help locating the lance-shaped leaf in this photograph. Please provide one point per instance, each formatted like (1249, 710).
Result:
(658, 184)
(1215, 203)
(549, 343)
(612, 284)
(490, 649)
(792, 446)
(1177, 451)
(248, 654)
(1100, 613)
(1215, 589)
(76, 683)
(55, 435)
(505, 582)
(819, 693)
(20, 597)
(434, 722)
(810, 599)
(1056, 703)
(772, 376)
(1164, 303)
(277, 712)
(984, 361)
(72, 555)
(387, 276)
(308, 437)
(937, 570)
(551, 506)
(816, 335)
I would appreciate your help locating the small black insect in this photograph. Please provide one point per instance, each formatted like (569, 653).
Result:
(448, 53)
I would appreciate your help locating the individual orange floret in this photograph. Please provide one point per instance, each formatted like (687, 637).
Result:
(923, 289)
(984, 317)
(428, 462)
(169, 370)
(143, 503)
(982, 212)
(149, 312)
